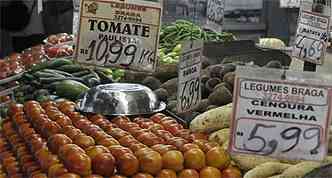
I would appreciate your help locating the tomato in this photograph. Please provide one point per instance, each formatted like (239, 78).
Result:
(198, 136)
(157, 117)
(53, 39)
(146, 124)
(69, 51)
(168, 122)
(174, 128)
(15, 108)
(52, 52)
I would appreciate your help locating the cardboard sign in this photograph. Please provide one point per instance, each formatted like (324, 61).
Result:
(280, 118)
(215, 15)
(290, 3)
(189, 72)
(311, 37)
(119, 33)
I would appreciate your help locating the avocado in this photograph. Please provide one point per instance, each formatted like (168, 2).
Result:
(229, 78)
(170, 85)
(162, 94)
(201, 107)
(221, 96)
(151, 82)
(211, 83)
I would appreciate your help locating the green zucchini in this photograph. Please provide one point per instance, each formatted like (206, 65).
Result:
(55, 79)
(72, 68)
(42, 74)
(104, 79)
(86, 77)
(29, 77)
(59, 62)
(81, 73)
(53, 71)
(40, 66)
(70, 89)
(49, 80)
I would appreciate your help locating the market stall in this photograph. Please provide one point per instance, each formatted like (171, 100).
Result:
(98, 105)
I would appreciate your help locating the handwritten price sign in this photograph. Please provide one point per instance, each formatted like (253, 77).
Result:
(120, 34)
(280, 119)
(287, 137)
(290, 3)
(189, 82)
(215, 14)
(311, 37)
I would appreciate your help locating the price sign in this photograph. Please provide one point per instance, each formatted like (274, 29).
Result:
(281, 119)
(119, 33)
(290, 3)
(311, 37)
(215, 14)
(189, 81)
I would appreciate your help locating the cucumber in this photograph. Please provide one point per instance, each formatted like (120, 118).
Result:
(40, 66)
(91, 79)
(51, 86)
(42, 74)
(53, 71)
(43, 98)
(29, 77)
(49, 80)
(58, 63)
(81, 73)
(92, 74)
(70, 89)
(56, 79)
(95, 74)
(85, 77)
(70, 68)
(104, 79)
(106, 71)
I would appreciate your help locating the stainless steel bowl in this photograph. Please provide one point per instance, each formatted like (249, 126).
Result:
(120, 99)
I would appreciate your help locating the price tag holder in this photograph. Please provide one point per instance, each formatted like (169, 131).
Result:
(189, 72)
(285, 119)
(290, 3)
(119, 33)
(215, 15)
(312, 36)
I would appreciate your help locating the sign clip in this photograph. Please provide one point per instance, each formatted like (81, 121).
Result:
(283, 75)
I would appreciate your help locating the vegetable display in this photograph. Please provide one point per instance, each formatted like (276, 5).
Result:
(182, 30)
(62, 78)
(172, 35)
(50, 139)
(253, 166)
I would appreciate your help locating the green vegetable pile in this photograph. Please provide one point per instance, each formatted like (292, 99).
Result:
(173, 34)
(62, 78)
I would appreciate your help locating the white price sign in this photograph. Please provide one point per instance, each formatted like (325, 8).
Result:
(189, 72)
(290, 3)
(311, 37)
(117, 33)
(215, 14)
(280, 119)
